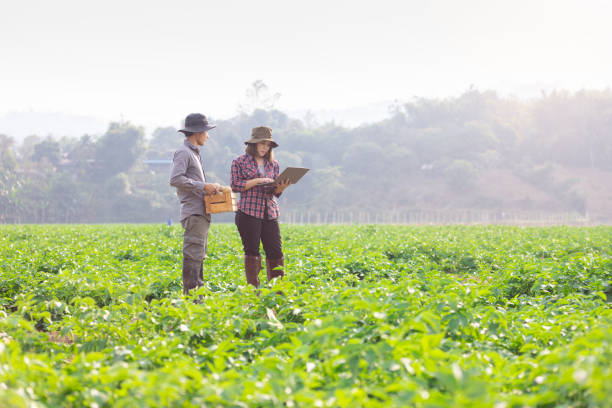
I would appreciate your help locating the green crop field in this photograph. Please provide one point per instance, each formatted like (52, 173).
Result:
(93, 316)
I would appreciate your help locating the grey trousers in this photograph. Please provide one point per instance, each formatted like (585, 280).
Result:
(195, 239)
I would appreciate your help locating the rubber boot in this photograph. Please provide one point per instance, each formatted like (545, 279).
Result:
(272, 268)
(252, 266)
(191, 273)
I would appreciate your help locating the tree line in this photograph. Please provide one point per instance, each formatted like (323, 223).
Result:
(428, 154)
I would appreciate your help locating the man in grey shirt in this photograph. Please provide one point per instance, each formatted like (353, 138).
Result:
(190, 181)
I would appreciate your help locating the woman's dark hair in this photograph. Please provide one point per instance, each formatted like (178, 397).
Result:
(251, 148)
(188, 134)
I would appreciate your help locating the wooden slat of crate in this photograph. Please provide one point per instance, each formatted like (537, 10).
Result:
(224, 201)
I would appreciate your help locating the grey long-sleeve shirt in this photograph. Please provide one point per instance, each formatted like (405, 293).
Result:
(188, 177)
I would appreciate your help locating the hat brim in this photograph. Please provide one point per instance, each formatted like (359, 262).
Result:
(255, 141)
(197, 129)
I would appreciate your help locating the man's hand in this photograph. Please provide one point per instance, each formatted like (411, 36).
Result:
(282, 186)
(211, 188)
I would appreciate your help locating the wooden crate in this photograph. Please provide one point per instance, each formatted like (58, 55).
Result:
(224, 201)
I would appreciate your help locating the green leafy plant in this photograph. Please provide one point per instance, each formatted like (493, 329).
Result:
(369, 316)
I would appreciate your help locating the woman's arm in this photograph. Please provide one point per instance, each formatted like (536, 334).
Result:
(239, 184)
(253, 182)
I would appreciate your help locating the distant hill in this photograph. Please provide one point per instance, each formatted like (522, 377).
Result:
(58, 124)
(474, 158)
(504, 190)
(596, 186)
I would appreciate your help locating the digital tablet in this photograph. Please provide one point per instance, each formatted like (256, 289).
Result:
(294, 174)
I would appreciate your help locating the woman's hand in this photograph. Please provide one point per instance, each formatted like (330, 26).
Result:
(282, 186)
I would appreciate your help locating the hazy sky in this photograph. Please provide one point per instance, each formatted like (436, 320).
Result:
(151, 62)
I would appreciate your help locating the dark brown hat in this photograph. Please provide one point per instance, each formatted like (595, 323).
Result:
(262, 134)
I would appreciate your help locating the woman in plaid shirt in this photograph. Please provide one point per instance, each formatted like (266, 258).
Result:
(257, 218)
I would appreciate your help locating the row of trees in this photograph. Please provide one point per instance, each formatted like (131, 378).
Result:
(429, 153)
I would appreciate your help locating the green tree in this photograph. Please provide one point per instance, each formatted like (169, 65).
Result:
(329, 188)
(364, 159)
(259, 96)
(6, 153)
(48, 149)
(8, 179)
(26, 150)
(461, 175)
(164, 142)
(118, 149)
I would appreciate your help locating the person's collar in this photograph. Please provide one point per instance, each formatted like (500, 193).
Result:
(191, 146)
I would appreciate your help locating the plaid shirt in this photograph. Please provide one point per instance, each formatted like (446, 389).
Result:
(255, 200)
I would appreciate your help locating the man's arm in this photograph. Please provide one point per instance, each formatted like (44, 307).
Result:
(178, 176)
